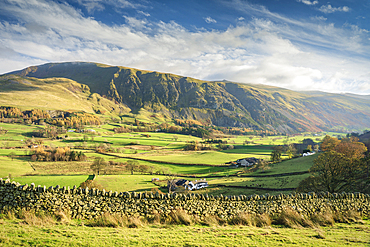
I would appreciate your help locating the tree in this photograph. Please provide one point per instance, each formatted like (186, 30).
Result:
(143, 168)
(276, 154)
(171, 182)
(98, 165)
(333, 172)
(329, 143)
(12, 155)
(350, 147)
(132, 165)
(291, 151)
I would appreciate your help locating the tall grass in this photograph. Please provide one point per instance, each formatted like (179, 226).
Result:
(39, 218)
(288, 218)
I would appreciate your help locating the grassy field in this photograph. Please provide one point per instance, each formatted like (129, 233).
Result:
(198, 157)
(128, 182)
(288, 166)
(264, 182)
(152, 149)
(14, 168)
(18, 233)
(52, 180)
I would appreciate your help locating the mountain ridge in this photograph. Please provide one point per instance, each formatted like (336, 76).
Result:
(221, 103)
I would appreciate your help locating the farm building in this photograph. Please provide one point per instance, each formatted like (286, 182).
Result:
(191, 185)
(247, 162)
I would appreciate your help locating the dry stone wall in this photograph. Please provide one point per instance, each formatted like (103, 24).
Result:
(89, 203)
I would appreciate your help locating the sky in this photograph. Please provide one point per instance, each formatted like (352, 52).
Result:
(295, 44)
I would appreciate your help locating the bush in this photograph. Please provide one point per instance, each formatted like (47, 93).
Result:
(91, 184)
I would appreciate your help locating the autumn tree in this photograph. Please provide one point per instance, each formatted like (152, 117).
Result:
(329, 143)
(334, 172)
(350, 147)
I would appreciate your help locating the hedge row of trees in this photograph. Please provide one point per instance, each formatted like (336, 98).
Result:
(100, 166)
(57, 154)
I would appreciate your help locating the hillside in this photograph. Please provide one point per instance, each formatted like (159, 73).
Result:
(220, 103)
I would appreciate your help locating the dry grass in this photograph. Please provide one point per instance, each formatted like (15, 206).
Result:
(180, 217)
(248, 219)
(323, 218)
(136, 222)
(349, 216)
(288, 218)
(116, 220)
(37, 219)
(213, 220)
(108, 220)
(40, 218)
(291, 218)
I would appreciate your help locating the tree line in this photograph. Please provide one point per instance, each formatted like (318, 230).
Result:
(36, 116)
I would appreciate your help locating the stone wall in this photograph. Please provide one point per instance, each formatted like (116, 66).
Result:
(89, 203)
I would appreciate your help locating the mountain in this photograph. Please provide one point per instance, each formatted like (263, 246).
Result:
(221, 103)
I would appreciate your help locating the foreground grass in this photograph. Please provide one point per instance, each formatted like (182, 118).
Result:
(18, 233)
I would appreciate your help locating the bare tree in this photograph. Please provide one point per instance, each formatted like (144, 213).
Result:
(171, 182)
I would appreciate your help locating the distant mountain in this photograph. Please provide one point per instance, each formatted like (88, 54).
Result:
(220, 103)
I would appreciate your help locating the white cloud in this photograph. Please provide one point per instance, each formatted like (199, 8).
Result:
(318, 18)
(273, 50)
(209, 20)
(136, 23)
(327, 9)
(143, 13)
(307, 2)
(98, 5)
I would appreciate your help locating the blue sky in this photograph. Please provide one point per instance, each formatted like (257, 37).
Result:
(295, 44)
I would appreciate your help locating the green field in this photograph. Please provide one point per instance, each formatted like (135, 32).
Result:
(198, 157)
(52, 180)
(151, 149)
(128, 182)
(13, 168)
(288, 166)
(18, 233)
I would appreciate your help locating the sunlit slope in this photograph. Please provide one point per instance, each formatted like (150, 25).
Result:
(52, 94)
(220, 103)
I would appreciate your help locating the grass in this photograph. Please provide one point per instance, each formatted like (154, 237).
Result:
(180, 230)
(15, 168)
(128, 182)
(264, 182)
(288, 166)
(53, 93)
(158, 147)
(52, 180)
(61, 168)
(198, 157)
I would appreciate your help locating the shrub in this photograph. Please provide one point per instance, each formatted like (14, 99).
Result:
(91, 184)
